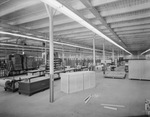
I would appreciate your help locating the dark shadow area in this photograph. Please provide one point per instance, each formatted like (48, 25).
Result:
(138, 116)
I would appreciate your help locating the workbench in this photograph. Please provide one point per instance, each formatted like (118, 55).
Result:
(33, 85)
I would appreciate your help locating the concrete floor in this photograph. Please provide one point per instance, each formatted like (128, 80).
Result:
(130, 93)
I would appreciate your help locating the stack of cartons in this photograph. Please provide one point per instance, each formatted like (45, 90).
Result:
(89, 79)
(139, 69)
(77, 81)
(17, 62)
(24, 59)
(30, 61)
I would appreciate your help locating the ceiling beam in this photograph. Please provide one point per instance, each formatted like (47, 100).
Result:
(66, 27)
(100, 18)
(42, 14)
(58, 22)
(102, 2)
(134, 31)
(71, 31)
(88, 37)
(8, 40)
(35, 16)
(136, 38)
(125, 17)
(130, 23)
(79, 34)
(13, 6)
(4, 38)
(61, 27)
(136, 34)
(81, 37)
(146, 26)
(34, 24)
(126, 9)
(19, 29)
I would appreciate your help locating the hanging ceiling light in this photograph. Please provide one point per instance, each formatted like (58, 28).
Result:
(45, 40)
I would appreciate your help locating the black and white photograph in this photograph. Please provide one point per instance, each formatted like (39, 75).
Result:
(74, 58)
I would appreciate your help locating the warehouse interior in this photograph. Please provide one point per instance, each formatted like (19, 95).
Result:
(74, 58)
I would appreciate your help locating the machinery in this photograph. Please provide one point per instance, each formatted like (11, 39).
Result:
(17, 64)
(10, 84)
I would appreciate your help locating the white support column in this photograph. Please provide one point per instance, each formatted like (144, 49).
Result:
(113, 56)
(118, 54)
(104, 53)
(45, 55)
(51, 53)
(63, 55)
(94, 62)
(80, 57)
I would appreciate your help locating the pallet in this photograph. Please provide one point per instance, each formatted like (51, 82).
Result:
(115, 75)
(139, 79)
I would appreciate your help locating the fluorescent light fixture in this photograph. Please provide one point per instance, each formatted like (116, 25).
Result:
(61, 8)
(145, 51)
(39, 39)
(20, 35)
(20, 46)
(34, 48)
(16, 48)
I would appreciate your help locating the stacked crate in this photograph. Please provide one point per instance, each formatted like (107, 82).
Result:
(57, 63)
(24, 62)
(30, 61)
(17, 62)
(77, 81)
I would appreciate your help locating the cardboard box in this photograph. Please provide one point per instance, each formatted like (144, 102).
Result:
(77, 81)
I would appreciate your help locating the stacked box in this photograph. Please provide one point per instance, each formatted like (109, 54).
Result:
(89, 79)
(24, 62)
(139, 69)
(77, 81)
(17, 62)
(64, 83)
(30, 61)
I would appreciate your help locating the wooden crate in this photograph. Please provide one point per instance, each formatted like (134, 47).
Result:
(139, 69)
(77, 81)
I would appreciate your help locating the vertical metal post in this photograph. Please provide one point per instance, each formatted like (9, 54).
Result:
(104, 53)
(63, 56)
(113, 57)
(45, 55)
(80, 58)
(94, 52)
(118, 54)
(51, 53)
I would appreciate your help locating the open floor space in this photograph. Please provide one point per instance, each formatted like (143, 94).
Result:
(129, 93)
